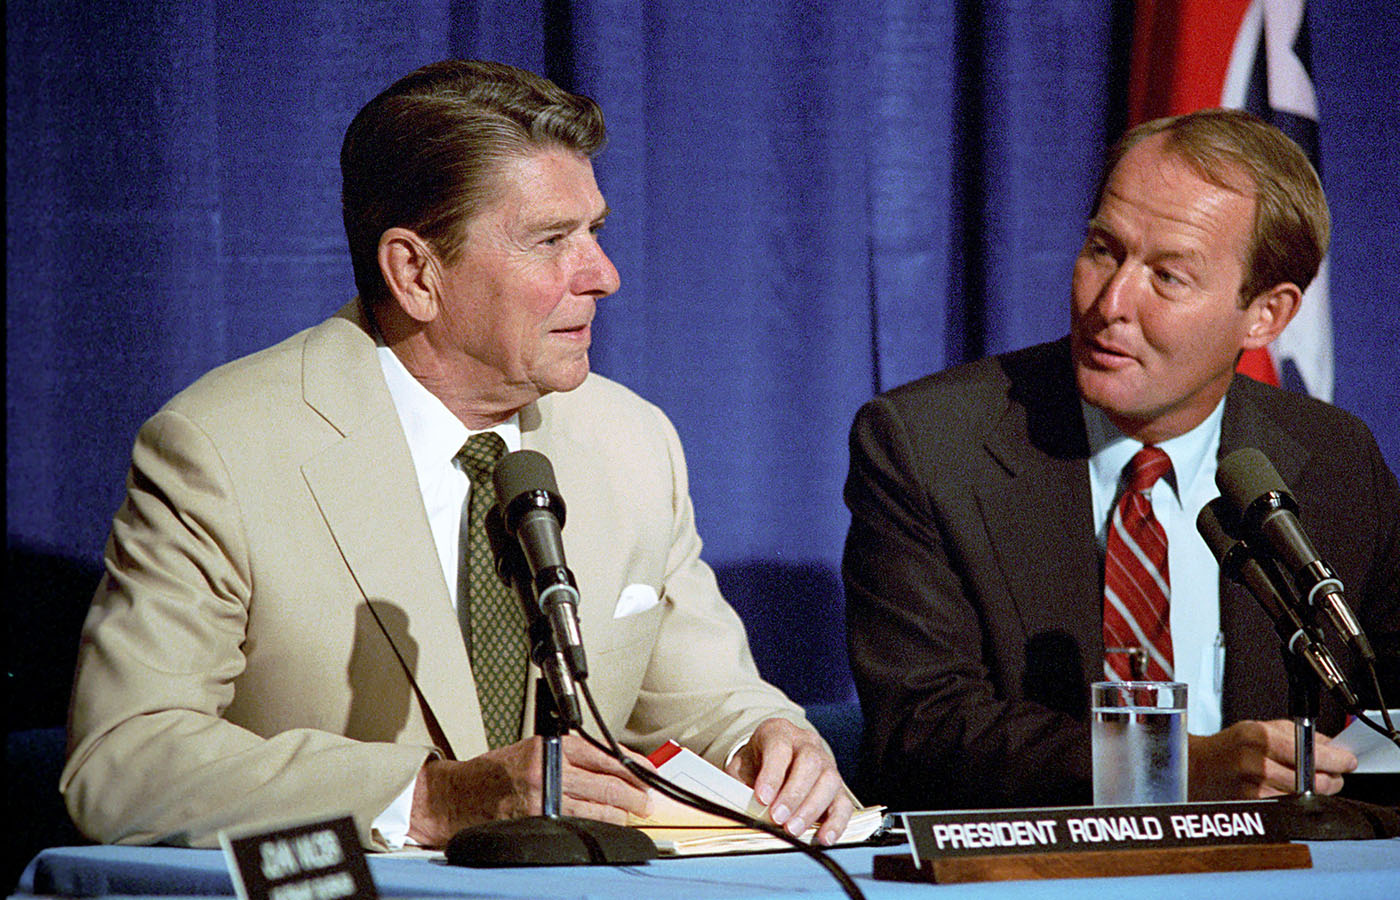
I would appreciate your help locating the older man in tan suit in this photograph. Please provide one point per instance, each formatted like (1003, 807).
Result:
(276, 638)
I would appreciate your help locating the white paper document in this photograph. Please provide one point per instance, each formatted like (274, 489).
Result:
(1374, 753)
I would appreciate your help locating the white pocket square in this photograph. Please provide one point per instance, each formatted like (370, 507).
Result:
(635, 598)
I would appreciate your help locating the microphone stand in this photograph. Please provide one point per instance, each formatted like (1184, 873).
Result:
(550, 839)
(1305, 814)
(1304, 701)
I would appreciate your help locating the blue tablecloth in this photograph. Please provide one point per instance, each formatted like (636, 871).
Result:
(1341, 869)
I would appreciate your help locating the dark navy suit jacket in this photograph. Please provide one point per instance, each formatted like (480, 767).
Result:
(974, 580)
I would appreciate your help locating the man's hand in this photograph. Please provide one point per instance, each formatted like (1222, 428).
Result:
(792, 773)
(1255, 759)
(505, 784)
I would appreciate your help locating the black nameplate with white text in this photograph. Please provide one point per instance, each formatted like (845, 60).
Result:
(1076, 828)
(313, 861)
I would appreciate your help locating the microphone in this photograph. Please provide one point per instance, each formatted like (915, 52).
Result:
(1240, 565)
(1268, 512)
(511, 566)
(533, 512)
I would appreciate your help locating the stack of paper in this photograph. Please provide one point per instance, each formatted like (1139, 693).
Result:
(680, 830)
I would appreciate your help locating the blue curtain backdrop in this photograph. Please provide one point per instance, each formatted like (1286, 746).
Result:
(813, 200)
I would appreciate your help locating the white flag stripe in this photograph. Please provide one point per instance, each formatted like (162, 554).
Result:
(1241, 66)
(1290, 88)
(1307, 341)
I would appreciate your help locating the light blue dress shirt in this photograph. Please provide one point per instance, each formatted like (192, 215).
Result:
(1198, 649)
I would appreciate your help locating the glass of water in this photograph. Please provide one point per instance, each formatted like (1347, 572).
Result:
(1139, 742)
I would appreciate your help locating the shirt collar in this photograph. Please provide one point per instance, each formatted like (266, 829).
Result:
(433, 431)
(1110, 449)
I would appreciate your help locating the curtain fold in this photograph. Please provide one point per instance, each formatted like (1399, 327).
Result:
(812, 202)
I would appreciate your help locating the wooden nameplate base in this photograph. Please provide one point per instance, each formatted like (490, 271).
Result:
(1094, 863)
(1094, 842)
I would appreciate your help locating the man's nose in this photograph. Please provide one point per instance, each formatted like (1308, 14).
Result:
(596, 274)
(1117, 296)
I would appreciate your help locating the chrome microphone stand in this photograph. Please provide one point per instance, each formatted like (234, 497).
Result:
(551, 838)
(1306, 814)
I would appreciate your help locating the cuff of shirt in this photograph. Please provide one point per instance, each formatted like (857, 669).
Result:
(392, 824)
(738, 745)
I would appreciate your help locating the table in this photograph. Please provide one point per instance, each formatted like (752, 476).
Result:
(1346, 869)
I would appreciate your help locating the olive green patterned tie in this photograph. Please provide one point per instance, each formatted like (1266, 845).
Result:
(493, 624)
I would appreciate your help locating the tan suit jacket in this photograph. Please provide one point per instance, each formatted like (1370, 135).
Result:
(274, 640)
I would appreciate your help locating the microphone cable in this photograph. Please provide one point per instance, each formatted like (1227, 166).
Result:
(525, 483)
(1388, 729)
(680, 794)
(1256, 495)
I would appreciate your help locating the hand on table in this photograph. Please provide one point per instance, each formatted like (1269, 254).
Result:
(505, 784)
(1255, 759)
(793, 774)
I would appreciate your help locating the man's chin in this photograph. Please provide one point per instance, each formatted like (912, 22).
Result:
(1107, 391)
(565, 378)
(1095, 386)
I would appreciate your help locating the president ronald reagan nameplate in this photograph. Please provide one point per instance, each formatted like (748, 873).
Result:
(1068, 829)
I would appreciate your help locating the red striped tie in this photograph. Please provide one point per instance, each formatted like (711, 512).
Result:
(1137, 587)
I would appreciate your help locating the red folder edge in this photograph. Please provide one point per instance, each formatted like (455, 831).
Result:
(661, 755)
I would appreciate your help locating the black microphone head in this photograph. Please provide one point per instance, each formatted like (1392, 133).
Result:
(521, 471)
(524, 480)
(1246, 477)
(1219, 526)
(1212, 525)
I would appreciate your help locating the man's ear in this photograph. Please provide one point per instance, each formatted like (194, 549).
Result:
(1270, 312)
(412, 273)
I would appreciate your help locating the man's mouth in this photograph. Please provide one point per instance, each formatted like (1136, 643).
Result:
(573, 331)
(1102, 354)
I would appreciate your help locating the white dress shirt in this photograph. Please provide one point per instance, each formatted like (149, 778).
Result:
(434, 435)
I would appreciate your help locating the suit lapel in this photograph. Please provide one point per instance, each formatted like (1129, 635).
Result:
(1244, 425)
(592, 524)
(1036, 504)
(368, 493)
(587, 505)
(1254, 675)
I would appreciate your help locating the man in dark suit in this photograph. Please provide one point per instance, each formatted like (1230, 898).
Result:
(981, 496)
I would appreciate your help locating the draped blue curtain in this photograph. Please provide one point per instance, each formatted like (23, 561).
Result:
(813, 201)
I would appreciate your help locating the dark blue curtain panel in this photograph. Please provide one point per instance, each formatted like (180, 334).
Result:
(813, 200)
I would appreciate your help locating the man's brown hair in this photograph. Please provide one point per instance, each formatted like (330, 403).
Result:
(422, 154)
(1291, 223)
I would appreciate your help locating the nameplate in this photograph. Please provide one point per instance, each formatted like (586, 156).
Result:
(934, 835)
(312, 861)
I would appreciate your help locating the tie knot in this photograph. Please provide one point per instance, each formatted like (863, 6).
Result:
(1146, 466)
(479, 455)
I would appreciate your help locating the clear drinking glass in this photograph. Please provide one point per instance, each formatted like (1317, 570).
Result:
(1139, 742)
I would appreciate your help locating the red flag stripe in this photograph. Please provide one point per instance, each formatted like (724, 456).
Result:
(1181, 51)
